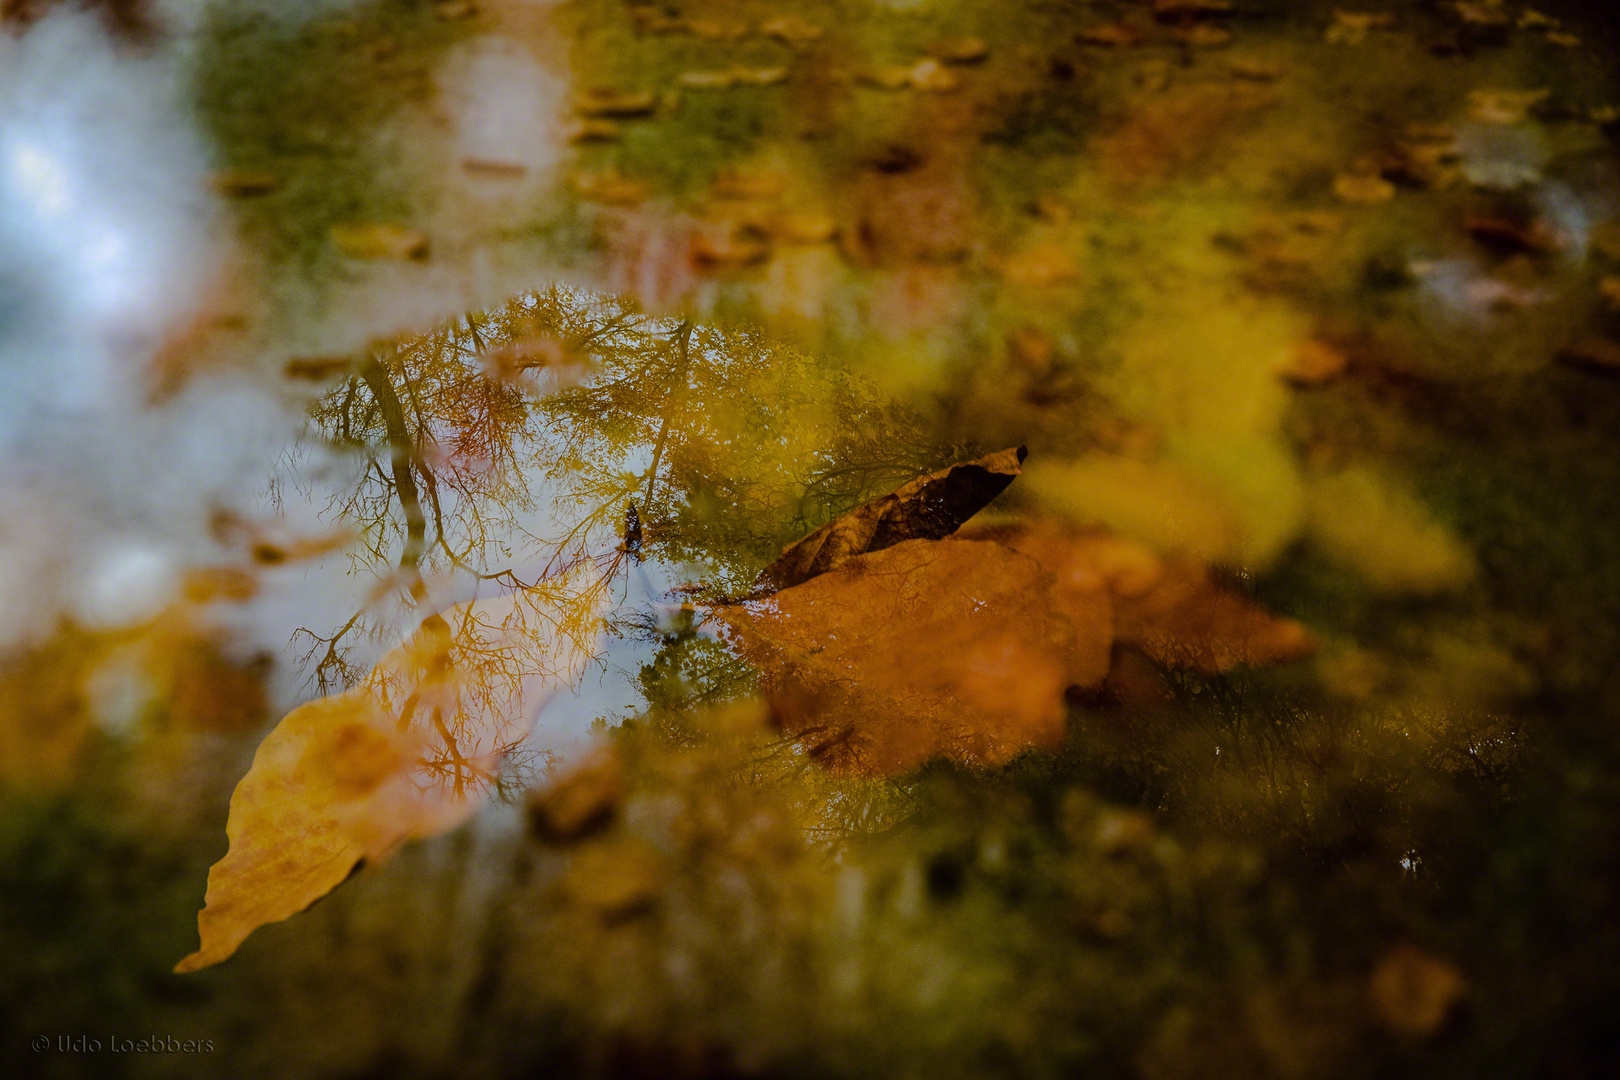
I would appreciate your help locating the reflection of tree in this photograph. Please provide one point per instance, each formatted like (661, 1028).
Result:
(524, 437)
(456, 700)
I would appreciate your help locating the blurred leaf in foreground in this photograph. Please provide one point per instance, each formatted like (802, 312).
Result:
(409, 753)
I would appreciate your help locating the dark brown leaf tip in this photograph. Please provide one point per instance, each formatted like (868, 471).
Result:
(931, 507)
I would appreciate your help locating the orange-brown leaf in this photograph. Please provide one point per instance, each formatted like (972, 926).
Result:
(1170, 608)
(922, 649)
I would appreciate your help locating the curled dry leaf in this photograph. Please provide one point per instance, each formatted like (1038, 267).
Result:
(408, 753)
(925, 648)
(928, 508)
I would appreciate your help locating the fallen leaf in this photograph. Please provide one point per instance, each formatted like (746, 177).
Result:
(927, 508)
(967, 50)
(617, 880)
(1179, 10)
(1350, 27)
(718, 29)
(510, 363)
(369, 241)
(500, 170)
(593, 131)
(744, 184)
(887, 77)
(1040, 267)
(792, 30)
(1609, 289)
(580, 801)
(610, 188)
(408, 753)
(1510, 235)
(765, 76)
(243, 183)
(1200, 36)
(615, 104)
(1113, 35)
(933, 77)
(1503, 107)
(804, 227)
(317, 368)
(207, 584)
(277, 548)
(1185, 620)
(1170, 608)
(1485, 13)
(1412, 992)
(1593, 354)
(1254, 70)
(1363, 188)
(1314, 362)
(725, 247)
(706, 80)
(927, 648)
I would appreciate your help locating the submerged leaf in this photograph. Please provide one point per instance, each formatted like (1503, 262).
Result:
(1170, 608)
(928, 508)
(926, 648)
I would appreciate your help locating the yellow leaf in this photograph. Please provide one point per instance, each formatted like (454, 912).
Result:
(407, 754)
(366, 241)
